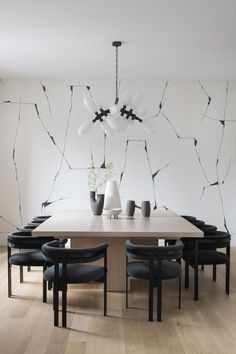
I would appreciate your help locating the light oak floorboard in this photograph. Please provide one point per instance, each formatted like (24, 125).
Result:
(206, 326)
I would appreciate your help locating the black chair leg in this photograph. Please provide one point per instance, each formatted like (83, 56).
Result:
(44, 287)
(64, 293)
(227, 278)
(214, 272)
(9, 280)
(126, 291)
(196, 270)
(186, 284)
(64, 303)
(49, 285)
(55, 296)
(150, 310)
(180, 292)
(105, 296)
(29, 268)
(159, 301)
(202, 267)
(21, 275)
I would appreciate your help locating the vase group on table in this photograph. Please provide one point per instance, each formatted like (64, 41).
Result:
(110, 202)
(145, 208)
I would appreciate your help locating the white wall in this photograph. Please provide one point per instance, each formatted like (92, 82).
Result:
(178, 186)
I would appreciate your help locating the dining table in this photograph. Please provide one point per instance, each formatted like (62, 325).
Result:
(84, 229)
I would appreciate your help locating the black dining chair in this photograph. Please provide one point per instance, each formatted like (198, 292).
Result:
(26, 229)
(154, 264)
(208, 254)
(207, 229)
(31, 256)
(41, 218)
(70, 266)
(197, 222)
(189, 217)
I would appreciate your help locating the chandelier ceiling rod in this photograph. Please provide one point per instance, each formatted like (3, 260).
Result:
(117, 44)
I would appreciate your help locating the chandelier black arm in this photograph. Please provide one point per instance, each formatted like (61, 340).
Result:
(130, 114)
(124, 112)
(100, 115)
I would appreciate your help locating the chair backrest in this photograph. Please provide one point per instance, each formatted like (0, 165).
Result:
(30, 226)
(155, 252)
(197, 222)
(26, 230)
(189, 217)
(53, 253)
(22, 240)
(37, 221)
(206, 228)
(211, 240)
(216, 239)
(42, 217)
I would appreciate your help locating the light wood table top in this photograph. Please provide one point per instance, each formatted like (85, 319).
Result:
(82, 223)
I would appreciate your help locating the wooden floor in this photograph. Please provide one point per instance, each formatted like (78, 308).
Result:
(206, 326)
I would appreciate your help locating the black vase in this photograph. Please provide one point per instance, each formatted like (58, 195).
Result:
(96, 204)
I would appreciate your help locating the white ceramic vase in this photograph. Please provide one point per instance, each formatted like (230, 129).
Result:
(112, 196)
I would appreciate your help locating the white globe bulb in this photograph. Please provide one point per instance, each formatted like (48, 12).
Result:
(112, 122)
(85, 127)
(90, 104)
(107, 129)
(125, 98)
(115, 110)
(136, 101)
(118, 124)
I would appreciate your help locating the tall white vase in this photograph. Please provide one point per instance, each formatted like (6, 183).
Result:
(112, 196)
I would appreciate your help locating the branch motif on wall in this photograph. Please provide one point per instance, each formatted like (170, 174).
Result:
(217, 182)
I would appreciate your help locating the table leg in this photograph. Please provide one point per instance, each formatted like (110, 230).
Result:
(196, 271)
(115, 259)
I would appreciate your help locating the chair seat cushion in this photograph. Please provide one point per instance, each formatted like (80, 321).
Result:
(206, 257)
(140, 269)
(27, 258)
(77, 273)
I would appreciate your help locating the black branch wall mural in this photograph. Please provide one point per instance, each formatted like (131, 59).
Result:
(68, 157)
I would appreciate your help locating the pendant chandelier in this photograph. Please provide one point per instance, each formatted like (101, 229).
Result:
(125, 111)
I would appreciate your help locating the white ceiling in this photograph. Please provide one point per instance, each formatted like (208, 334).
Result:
(191, 39)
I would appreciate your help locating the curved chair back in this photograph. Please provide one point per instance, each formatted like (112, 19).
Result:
(207, 228)
(42, 217)
(198, 223)
(22, 240)
(53, 253)
(217, 239)
(210, 241)
(37, 220)
(189, 218)
(155, 252)
(26, 230)
(29, 227)
(34, 222)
